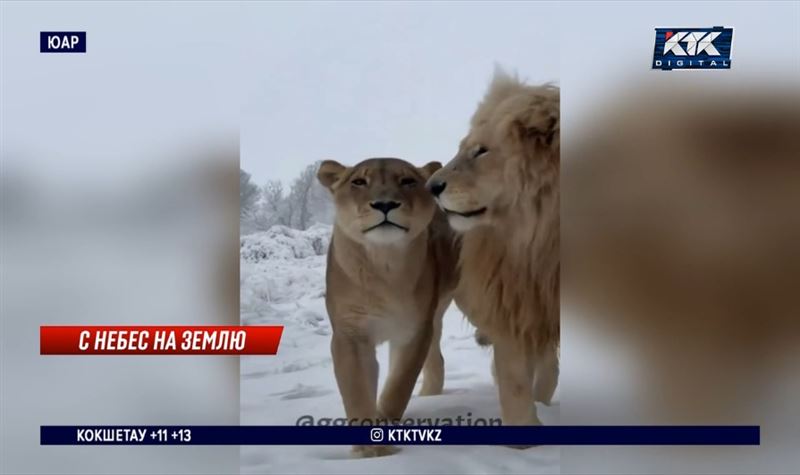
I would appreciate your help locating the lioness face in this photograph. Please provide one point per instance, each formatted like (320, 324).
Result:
(380, 200)
(509, 155)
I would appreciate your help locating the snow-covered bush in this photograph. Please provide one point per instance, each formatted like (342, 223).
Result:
(281, 242)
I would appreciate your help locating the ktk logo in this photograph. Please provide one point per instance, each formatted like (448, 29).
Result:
(696, 42)
(693, 48)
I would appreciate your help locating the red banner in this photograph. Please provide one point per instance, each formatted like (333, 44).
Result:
(159, 340)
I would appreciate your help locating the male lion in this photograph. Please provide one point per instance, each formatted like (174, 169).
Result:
(390, 276)
(501, 192)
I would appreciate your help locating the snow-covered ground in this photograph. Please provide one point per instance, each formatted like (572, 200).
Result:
(282, 282)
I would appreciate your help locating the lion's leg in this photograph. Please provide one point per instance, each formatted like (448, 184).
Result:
(546, 375)
(515, 367)
(433, 370)
(407, 359)
(356, 371)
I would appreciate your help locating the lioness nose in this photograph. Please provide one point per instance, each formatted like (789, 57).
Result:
(437, 187)
(385, 206)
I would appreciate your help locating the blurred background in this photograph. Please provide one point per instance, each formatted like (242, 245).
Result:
(681, 235)
(119, 206)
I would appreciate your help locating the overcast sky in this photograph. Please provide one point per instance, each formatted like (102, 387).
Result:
(388, 79)
(382, 79)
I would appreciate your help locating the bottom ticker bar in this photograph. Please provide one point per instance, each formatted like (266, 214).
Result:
(400, 435)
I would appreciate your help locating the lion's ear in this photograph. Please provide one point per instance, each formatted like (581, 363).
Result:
(541, 130)
(329, 172)
(539, 122)
(429, 169)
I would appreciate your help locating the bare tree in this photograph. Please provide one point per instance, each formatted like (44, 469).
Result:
(306, 203)
(303, 196)
(274, 206)
(320, 203)
(249, 194)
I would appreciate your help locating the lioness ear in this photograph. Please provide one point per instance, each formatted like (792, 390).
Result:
(329, 172)
(428, 170)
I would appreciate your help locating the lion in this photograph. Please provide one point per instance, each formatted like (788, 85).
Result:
(390, 277)
(501, 193)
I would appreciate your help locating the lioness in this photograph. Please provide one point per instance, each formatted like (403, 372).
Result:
(501, 192)
(390, 276)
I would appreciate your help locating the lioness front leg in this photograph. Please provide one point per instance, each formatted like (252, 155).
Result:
(407, 359)
(356, 371)
(515, 368)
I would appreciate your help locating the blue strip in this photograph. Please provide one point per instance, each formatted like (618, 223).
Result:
(402, 435)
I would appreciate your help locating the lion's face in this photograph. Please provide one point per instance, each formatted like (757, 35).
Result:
(509, 154)
(470, 188)
(380, 200)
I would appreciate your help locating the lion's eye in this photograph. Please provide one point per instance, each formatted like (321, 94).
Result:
(408, 181)
(359, 182)
(480, 151)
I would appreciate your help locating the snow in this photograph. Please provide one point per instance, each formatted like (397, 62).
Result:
(283, 282)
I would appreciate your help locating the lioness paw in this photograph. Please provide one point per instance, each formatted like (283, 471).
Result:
(367, 451)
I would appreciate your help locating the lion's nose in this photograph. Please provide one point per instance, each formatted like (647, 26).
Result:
(437, 187)
(385, 206)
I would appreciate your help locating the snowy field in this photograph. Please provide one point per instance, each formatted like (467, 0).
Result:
(282, 282)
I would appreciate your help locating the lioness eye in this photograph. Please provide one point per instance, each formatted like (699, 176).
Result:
(480, 151)
(359, 182)
(408, 181)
